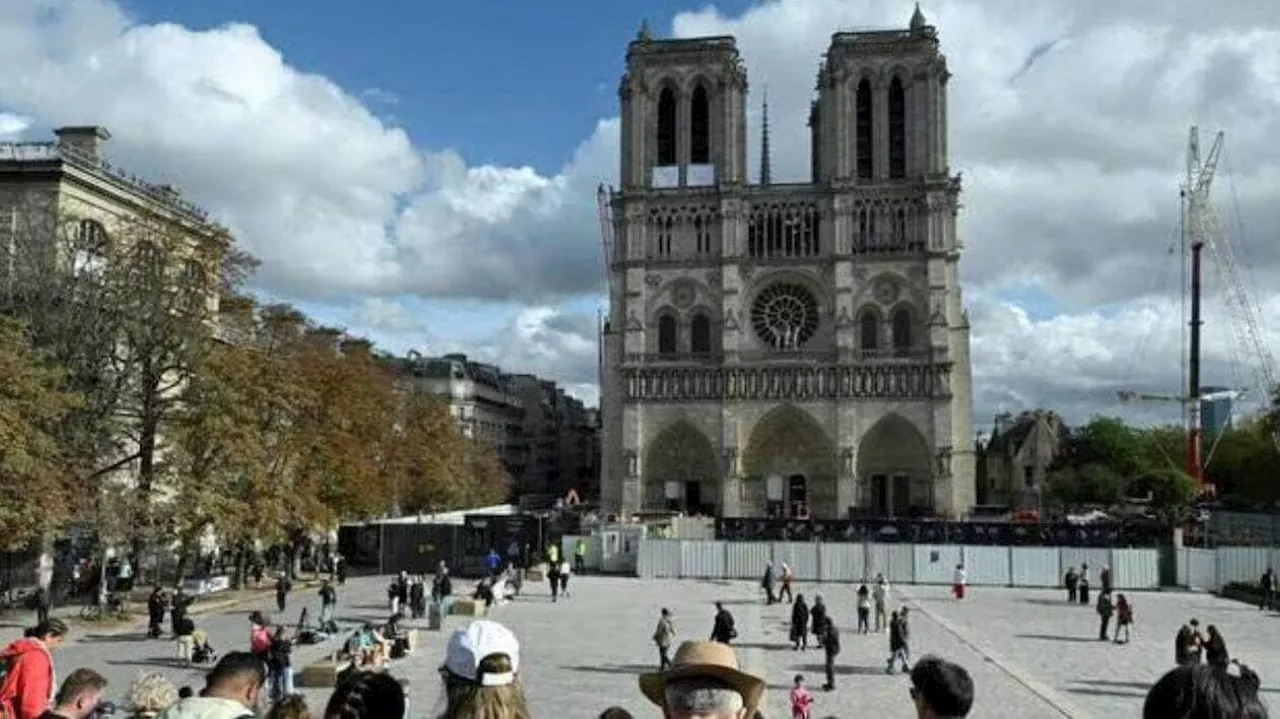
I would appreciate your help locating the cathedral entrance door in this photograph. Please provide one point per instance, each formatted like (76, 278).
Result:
(797, 494)
(693, 497)
(901, 495)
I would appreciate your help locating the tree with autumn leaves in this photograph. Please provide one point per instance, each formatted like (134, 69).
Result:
(130, 407)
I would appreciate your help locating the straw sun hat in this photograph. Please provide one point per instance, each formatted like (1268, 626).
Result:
(704, 659)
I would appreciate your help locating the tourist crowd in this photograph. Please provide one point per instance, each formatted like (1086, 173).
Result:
(481, 672)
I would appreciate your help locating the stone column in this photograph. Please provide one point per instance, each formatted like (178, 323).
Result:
(730, 484)
(847, 482)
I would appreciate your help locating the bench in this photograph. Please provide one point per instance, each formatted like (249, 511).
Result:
(322, 674)
(467, 607)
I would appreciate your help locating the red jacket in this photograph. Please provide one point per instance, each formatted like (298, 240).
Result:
(27, 689)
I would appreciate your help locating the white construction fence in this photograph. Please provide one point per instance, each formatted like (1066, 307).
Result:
(628, 551)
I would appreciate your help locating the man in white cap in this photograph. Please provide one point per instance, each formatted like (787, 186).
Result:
(704, 681)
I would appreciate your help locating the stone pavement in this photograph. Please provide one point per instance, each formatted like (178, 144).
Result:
(1034, 635)
(1030, 654)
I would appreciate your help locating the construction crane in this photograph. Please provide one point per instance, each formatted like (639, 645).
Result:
(1203, 232)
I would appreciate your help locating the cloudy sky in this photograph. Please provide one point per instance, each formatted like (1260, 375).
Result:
(426, 176)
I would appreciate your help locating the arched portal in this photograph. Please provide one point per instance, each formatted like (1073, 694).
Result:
(895, 469)
(681, 471)
(791, 451)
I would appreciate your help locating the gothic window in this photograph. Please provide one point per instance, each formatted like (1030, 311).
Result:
(869, 330)
(699, 128)
(784, 231)
(667, 331)
(702, 235)
(862, 120)
(700, 334)
(897, 130)
(901, 329)
(867, 239)
(900, 227)
(666, 127)
(784, 316)
(662, 230)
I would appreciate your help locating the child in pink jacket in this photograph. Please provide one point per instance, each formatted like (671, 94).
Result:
(801, 699)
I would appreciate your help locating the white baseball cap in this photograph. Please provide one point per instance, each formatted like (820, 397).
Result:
(471, 644)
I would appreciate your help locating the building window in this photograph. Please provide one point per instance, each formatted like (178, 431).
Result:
(700, 334)
(91, 249)
(862, 122)
(897, 130)
(868, 330)
(902, 329)
(666, 335)
(666, 127)
(702, 235)
(699, 128)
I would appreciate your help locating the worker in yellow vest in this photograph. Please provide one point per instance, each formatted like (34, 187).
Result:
(580, 556)
(553, 554)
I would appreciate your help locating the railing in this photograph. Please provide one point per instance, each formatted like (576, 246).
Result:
(53, 151)
(791, 356)
(898, 531)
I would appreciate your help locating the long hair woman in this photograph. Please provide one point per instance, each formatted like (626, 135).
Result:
(481, 674)
(27, 689)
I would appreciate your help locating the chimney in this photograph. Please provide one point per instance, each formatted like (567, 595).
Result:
(87, 141)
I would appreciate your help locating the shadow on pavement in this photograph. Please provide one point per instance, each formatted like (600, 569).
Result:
(845, 670)
(114, 638)
(1054, 602)
(1059, 638)
(1106, 692)
(613, 669)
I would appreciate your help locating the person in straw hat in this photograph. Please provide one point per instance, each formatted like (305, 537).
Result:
(704, 681)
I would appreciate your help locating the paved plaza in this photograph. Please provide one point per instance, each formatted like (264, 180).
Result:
(1030, 653)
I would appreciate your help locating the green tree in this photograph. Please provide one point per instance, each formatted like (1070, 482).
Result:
(33, 491)
(1089, 484)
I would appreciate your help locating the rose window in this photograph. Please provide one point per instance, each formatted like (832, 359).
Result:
(784, 316)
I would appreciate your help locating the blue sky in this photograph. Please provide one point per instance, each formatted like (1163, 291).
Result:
(509, 83)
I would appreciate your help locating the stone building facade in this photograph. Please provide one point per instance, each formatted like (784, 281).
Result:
(775, 348)
(546, 439)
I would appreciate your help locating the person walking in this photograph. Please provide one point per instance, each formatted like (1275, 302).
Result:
(1072, 582)
(959, 581)
(283, 587)
(880, 597)
(799, 624)
(663, 635)
(328, 604)
(899, 651)
(1105, 609)
(722, 627)
(831, 649)
(801, 699)
(788, 578)
(818, 619)
(864, 609)
(1268, 584)
(1124, 617)
(580, 556)
(767, 582)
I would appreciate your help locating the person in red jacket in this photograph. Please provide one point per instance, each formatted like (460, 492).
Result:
(27, 689)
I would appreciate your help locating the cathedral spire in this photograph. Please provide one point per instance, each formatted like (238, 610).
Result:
(765, 168)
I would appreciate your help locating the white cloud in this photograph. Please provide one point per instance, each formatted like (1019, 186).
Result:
(1068, 122)
(12, 125)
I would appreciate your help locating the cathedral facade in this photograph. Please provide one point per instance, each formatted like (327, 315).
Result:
(786, 349)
